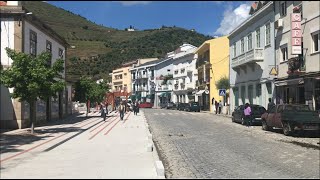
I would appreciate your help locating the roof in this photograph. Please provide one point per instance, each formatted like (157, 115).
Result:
(150, 63)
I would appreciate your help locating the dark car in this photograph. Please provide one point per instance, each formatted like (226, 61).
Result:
(291, 118)
(192, 106)
(181, 106)
(257, 111)
(145, 105)
(171, 105)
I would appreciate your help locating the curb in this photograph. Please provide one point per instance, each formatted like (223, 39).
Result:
(157, 162)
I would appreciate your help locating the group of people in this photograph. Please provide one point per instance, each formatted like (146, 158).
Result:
(122, 108)
(217, 105)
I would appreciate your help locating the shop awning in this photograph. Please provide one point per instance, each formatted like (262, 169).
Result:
(289, 82)
(199, 93)
(165, 94)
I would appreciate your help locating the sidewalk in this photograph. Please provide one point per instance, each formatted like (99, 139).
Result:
(86, 148)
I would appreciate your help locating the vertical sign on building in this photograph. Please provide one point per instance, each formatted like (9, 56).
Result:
(296, 33)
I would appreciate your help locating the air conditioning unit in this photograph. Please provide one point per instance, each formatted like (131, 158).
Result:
(278, 24)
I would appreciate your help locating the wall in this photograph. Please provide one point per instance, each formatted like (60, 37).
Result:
(7, 39)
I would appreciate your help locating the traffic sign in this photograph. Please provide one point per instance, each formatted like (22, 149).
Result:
(222, 92)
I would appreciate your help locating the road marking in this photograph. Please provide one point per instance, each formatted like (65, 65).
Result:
(155, 113)
(116, 124)
(170, 113)
(104, 127)
(163, 113)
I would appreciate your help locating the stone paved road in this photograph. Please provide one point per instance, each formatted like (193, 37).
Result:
(203, 145)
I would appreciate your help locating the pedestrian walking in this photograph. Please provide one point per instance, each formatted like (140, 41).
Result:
(217, 105)
(270, 104)
(213, 105)
(122, 108)
(136, 108)
(104, 112)
(220, 106)
(247, 115)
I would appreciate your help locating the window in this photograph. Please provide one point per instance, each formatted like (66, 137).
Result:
(125, 74)
(268, 34)
(49, 47)
(176, 72)
(249, 41)
(234, 50)
(168, 70)
(284, 53)
(182, 70)
(242, 45)
(258, 38)
(315, 42)
(144, 72)
(144, 84)
(33, 43)
(283, 10)
(60, 53)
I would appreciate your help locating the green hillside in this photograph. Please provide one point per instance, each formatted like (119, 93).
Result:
(110, 46)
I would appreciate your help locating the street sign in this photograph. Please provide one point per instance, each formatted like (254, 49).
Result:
(222, 92)
(273, 71)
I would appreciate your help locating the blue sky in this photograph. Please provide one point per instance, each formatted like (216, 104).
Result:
(207, 17)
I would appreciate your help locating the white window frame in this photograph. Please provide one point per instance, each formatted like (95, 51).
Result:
(235, 50)
(266, 36)
(242, 46)
(285, 46)
(258, 39)
(313, 41)
(249, 41)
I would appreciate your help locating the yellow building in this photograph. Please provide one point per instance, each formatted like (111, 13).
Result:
(121, 78)
(212, 65)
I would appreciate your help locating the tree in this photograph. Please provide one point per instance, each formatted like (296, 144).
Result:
(223, 83)
(32, 78)
(88, 90)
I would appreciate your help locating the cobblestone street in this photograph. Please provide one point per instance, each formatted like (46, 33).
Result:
(203, 145)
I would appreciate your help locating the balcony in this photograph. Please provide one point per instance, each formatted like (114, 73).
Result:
(142, 76)
(252, 56)
(142, 89)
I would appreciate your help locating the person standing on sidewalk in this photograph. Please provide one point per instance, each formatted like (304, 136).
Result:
(136, 108)
(217, 105)
(247, 114)
(270, 104)
(122, 108)
(220, 106)
(213, 105)
(104, 112)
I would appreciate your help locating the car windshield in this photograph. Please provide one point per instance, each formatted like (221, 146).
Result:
(297, 108)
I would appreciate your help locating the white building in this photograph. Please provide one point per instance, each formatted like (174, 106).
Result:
(185, 74)
(252, 58)
(23, 32)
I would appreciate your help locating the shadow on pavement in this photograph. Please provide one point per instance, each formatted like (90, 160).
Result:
(11, 142)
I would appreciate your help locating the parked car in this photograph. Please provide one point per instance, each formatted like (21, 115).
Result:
(181, 106)
(145, 105)
(192, 106)
(170, 105)
(291, 118)
(257, 111)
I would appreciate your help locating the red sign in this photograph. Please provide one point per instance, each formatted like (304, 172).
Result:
(296, 33)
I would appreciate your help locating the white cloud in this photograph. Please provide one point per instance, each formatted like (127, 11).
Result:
(130, 3)
(233, 18)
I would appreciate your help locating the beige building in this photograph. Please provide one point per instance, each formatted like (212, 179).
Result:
(24, 32)
(298, 78)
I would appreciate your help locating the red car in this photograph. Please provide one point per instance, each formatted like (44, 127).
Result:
(145, 105)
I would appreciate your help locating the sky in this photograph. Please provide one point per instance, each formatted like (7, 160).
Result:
(214, 18)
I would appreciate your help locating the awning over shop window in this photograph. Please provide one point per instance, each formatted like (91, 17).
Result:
(165, 94)
(199, 93)
(289, 82)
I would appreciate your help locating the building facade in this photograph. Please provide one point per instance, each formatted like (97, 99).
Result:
(251, 47)
(298, 79)
(185, 74)
(121, 78)
(212, 65)
(25, 33)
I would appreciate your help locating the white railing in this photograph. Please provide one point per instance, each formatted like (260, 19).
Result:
(253, 55)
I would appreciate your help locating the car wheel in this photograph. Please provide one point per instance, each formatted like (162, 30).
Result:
(265, 126)
(286, 128)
